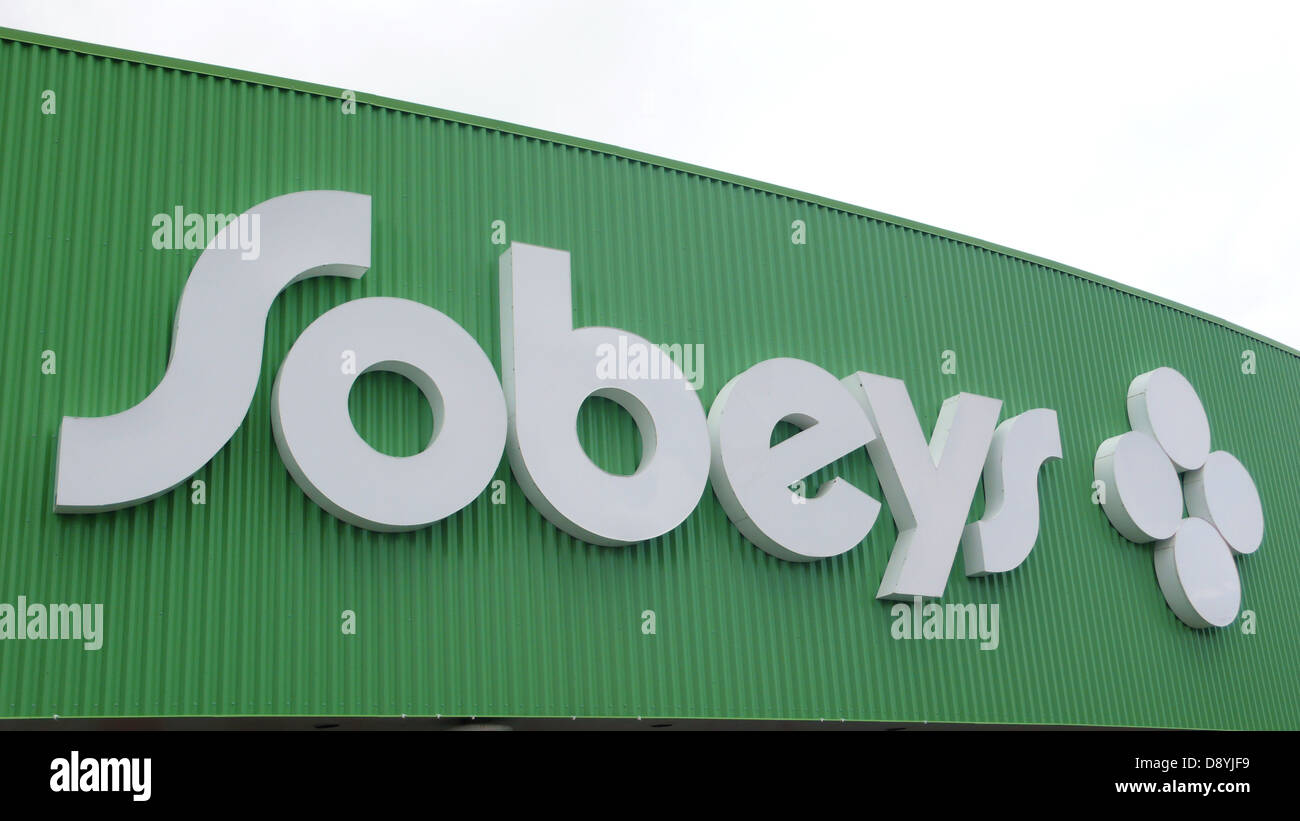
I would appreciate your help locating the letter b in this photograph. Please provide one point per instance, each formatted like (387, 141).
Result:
(548, 369)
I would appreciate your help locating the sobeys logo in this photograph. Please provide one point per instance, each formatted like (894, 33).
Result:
(547, 372)
(1145, 499)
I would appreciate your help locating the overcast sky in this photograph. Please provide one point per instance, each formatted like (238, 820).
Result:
(1157, 144)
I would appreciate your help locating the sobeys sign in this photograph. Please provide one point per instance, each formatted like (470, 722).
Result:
(550, 368)
(850, 430)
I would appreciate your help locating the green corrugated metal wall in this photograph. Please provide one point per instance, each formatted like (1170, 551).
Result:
(233, 607)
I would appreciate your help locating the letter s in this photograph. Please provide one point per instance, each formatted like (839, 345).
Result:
(1004, 537)
(110, 462)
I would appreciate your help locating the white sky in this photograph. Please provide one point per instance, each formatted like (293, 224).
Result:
(1157, 144)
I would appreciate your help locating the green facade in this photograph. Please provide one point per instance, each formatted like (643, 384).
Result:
(233, 607)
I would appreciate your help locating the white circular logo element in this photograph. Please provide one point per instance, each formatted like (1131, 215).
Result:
(1143, 499)
(1164, 405)
(1194, 557)
(1223, 494)
(1196, 573)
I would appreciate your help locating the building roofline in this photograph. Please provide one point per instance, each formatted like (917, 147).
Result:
(126, 55)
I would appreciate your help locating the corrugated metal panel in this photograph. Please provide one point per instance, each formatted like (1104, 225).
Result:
(233, 607)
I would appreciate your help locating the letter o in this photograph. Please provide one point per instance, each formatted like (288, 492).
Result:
(330, 461)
